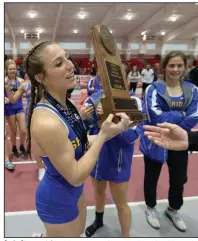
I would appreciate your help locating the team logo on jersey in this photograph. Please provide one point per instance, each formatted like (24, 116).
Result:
(76, 143)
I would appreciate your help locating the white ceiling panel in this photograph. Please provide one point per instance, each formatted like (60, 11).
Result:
(150, 17)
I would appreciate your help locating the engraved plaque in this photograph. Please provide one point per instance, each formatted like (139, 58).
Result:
(115, 76)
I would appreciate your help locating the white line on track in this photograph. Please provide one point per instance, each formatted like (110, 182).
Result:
(131, 204)
(32, 162)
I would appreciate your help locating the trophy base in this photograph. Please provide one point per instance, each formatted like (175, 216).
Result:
(136, 116)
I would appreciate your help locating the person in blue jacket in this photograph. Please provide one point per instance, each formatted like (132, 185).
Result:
(93, 85)
(113, 166)
(174, 101)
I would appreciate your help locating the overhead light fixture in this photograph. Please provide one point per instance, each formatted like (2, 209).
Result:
(32, 14)
(163, 33)
(128, 16)
(110, 31)
(22, 31)
(75, 31)
(81, 15)
(143, 33)
(39, 30)
(144, 37)
(173, 18)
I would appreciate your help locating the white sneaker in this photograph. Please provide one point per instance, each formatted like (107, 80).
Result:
(41, 172)
(176, 219)
(152, 217)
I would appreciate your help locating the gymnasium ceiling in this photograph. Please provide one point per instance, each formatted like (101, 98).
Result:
(125, 20)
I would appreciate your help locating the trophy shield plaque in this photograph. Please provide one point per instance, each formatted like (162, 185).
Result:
(112, 77)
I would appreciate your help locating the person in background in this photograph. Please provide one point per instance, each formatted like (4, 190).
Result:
(190, 65)
(113, 167)
(8, 164)
(193, 74)
(172, 137)
(93, 70)
(147, 78)
(133, 78)
(175, 101)
(156, 70)
(14, 113)
(85, 111)
(25, 89)
(93, 85)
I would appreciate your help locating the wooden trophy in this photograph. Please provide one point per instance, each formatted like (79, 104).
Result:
(112, 77)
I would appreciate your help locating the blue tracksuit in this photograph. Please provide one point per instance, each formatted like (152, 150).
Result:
(115, 159)
(160, 107)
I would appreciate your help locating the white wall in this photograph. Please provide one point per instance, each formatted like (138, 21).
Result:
(124, 45)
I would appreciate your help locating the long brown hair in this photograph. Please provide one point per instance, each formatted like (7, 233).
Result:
(34, 66)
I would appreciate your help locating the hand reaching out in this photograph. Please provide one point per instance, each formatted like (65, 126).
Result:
(168, 136)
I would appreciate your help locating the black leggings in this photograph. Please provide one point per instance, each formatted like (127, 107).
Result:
(177, 165)
(144, 86)
(133, 86)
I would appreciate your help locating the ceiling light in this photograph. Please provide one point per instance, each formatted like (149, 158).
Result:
(22, 31)
(163, 33)
(143, 33)
(32, 14)
(81, 15)
(110, 31)
(173, 18)
(128, 16)
(144, 37)
(39, 30)
(75, 31)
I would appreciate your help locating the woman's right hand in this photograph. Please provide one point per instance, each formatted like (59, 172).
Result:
(109, 129)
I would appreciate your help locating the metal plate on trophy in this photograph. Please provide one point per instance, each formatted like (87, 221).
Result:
(112, 76)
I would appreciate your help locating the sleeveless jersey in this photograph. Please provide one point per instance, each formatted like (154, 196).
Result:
(18, 104)
(51, 172)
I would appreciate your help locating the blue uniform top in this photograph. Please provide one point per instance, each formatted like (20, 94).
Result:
(56, 198)
(51, 172)
(18, 104)
(177, 102)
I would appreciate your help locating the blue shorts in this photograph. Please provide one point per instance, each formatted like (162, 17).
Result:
(10, 112)
(56, 203)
